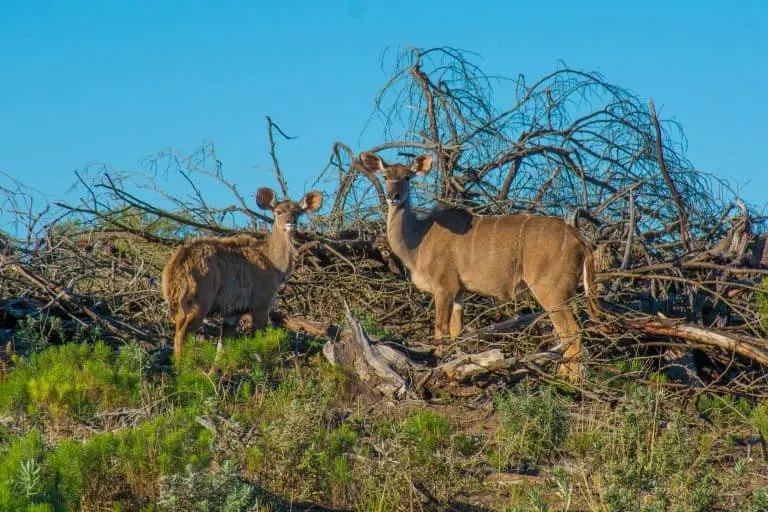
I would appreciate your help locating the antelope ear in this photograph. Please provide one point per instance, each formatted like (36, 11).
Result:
(372, 162)
(265, 198)
(312, 201)
(421, 164)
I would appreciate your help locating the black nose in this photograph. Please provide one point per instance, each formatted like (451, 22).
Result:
(395, 196)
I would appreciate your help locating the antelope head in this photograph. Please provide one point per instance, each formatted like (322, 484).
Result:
(286, 213)
(397, 177)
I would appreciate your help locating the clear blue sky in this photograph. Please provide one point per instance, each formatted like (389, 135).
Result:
(115, 81)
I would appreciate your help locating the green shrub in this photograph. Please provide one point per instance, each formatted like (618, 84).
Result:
(262, 350)
(758, 501)
(426, 432)
(84, 472)
(163, 446)
(298, 446)
(533, 424)
(35, 334)
(22, 483)
(72, 380)
(762, 305)
(207, 491)
(243, 364)
(653, 460)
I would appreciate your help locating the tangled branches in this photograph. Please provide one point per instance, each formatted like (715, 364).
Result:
(671, 240)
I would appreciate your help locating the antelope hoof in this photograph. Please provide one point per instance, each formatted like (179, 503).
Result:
(571, 372)
(446, 348)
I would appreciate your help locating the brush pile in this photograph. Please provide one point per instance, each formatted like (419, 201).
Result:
(672, 242)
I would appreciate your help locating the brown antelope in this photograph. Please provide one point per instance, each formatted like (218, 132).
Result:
(233, 275)
(452, 251)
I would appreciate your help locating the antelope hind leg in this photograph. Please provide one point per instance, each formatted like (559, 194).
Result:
(569, 333)
(457, 316)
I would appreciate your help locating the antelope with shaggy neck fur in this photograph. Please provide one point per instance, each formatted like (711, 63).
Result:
(233, 275)
(452, 251)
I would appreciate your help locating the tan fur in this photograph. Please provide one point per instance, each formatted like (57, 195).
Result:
(452, 251)
(233, 275)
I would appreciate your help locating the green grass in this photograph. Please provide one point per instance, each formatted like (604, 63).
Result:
(262, 435)
(534, 423)
(73, 381)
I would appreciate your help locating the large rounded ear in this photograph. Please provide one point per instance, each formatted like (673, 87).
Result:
(372, 162)
(312, 201)
(422, 164)
(265, 198)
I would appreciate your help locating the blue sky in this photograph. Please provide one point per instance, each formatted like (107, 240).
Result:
(116, 81)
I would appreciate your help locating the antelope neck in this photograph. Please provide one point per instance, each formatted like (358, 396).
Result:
(404, 230)
(281, 250)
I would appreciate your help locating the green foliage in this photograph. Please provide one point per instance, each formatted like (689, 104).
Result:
(243, 364)
(296, 447)
(762, 305)
(723, 410)
(426, 432)
(163, 446)
(533, 425)
(371, 326)
(650, 467)
(220, 491)
(21, 482)
(34, 334)
(72, 380)
(758, 501)
(85, 471)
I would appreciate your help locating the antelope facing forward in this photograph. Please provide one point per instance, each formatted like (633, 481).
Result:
(452, 251)
(233, 275)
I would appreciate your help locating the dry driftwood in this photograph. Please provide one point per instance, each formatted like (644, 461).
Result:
(752, 348)
(374, 365)
(391, 373)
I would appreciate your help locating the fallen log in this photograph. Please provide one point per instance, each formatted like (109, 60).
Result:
(374, 365)
(752, 348)
(389, 372)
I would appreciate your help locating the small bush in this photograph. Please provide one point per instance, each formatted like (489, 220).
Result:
(164, 446)
(72, 380)
(762, 305)
(426, 432)
(207, 491)
(759, 501)
(533, 424)
(242, 364)
(35, 334)
(21, 482)
(85, 471)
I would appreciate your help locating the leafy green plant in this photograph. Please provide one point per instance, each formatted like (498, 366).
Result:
(426, 432)
(35, 334)
(533, 424)
(22, 483)
(242, 364)
(207, 491)
(85, 471)
(758, 501)
(761, 298)
(162, 446)
(73, 379)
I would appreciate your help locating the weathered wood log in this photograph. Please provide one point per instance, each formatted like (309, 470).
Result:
(752, 348)
(374, 365)
(389, 372)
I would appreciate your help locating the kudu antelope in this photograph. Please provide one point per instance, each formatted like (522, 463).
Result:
(452, 251)
(233, 275)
